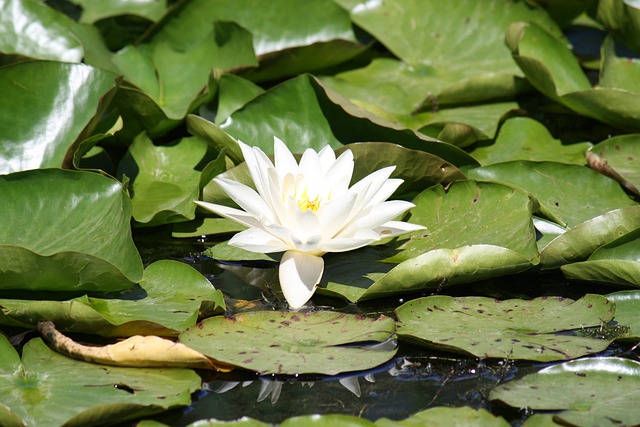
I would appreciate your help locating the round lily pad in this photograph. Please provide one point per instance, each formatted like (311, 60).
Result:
(592, 392)
(514, 329)
(319, 342)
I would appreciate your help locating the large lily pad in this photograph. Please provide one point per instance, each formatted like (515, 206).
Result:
(33, 93)
(474, 231)
(617, 263)
(49, 37)
(522, 138)
(557, 187)
(159, 69)
(66, 230)
(295, 343)
(512, 329)
(618, 158)
(46, 388)
(593, 392)
(447, 417)
(165, 181)
(168, 300)
(316, 117)
(551, 68)
(627, 308)
(578, 243)
(622, 18)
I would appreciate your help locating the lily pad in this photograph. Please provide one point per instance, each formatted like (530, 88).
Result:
(94, 11)
(617, 262)
(168, 300)
(521, 138)
(316, 117)
(66, 230)
(295, 343)
(50, 36)
(471, 213)
(447, 417)
(165, 181)
(511, 329)
(622, 18)
(33, 92)
(618, 157)
(551, 68)
(578, 243)
(329, 420)
(627, 307)
(46, 388)
(587, 391)
(568, 194)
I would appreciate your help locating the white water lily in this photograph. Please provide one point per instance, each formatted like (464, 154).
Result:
(306, 210)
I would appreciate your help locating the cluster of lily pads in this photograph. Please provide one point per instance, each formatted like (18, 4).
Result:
(519, 150)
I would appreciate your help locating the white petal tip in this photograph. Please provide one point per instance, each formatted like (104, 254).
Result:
(299, 275)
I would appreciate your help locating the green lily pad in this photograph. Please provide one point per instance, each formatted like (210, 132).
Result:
(617, 157)
(281, 30)
(165, 181)
(578, 243)
(552, 68)
(521, 138)
(557, 187)
(447, 417)
(512, 329)
(93, 11)
(53, 40)
(33, 93)
(452, 63)
(587, 391)
(627, 307)
(622, 18)
(464, 126)
(233, 93)
(475, 231)
(329, 420)
(168, 300)
(295, 343)
(205, 226)
(617, 262)
(46, 388)
(471, 213)
(316, 117)
(159, 69)
(66, 231)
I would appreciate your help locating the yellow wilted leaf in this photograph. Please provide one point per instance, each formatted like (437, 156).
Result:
(137, 351)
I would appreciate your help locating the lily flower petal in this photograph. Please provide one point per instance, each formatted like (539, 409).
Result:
(299, 275)
(257, 240)
(395, 228)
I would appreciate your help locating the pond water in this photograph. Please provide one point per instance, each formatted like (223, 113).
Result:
(415, 380)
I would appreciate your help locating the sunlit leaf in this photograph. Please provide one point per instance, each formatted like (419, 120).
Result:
(45, 106)
(512, 329)
(46, 388)
(66, 230)
(169, 299)
(447, 417)
(587, 392)
(272, 342)
(618, 157)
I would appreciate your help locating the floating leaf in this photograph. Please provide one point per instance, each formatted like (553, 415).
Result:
(137, 351)
(66, 230)
(165, 181)
(617, 262)
(93, 11)
(587, 391)
(295, 343)
(328, 420)
(50, 35)
(511, 329)
(168, 301)
(557, 187)
(627, 308)
(447, 417)
(521, 138)
(552, 68)
(578, 243)
(33, 93)
(47, 388)
(205, 226)
(618, 157)
(621, 18)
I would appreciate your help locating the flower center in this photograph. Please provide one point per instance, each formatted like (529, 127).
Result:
(306, 204)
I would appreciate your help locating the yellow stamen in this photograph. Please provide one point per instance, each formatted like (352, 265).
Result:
(305, 204)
